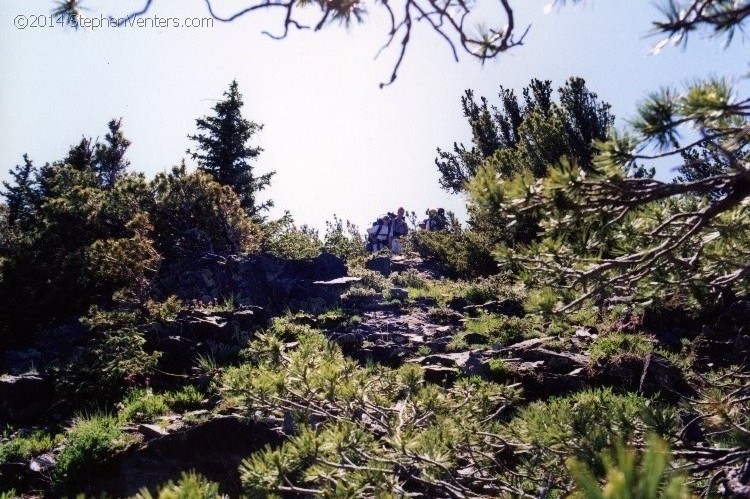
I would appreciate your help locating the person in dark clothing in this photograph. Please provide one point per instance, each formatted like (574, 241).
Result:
(399, 229)
(435, 221)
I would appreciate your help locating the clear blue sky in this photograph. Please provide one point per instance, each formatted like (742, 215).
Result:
(339, 143)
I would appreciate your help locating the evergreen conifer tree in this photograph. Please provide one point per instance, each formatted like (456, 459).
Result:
(19, 195)
(107, 161)
(529, 134)
(109, 158)
(223, 151)
(81, 156)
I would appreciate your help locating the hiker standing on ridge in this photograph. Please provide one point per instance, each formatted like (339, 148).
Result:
(436, 220)
(379, 236)
(441, 222)
(399, 229)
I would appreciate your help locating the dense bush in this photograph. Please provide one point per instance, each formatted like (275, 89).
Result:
(127, 264)
(194, 216)
(633, 474)
(46, 247)
(283, 238)
(409, 279)
(460, 255)
(370, 279)
(496, 287)
(583, 426)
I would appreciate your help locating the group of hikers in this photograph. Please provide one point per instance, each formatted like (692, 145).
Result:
(388, 229)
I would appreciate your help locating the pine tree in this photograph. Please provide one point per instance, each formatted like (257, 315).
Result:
(81, 156)
(107, 161)
(532, 134)
(223, 151)
(20, 195)
(109, 158)
(524, 135)
(606, 231)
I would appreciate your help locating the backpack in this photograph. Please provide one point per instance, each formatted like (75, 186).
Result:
(372, 238)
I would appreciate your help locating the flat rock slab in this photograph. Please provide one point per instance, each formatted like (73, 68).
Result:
(340, 280)
(152, 430)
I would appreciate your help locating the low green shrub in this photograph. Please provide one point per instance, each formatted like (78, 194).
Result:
(490, 288)
(724, 402)
(500, 370)
(142, 405)
(286, 328)
(113, 361)
(166, 310)
(283, 238)
(443, 316)
(501, 329)
(374, 425)
(357, 295)
(91, 440)
(189, 486)
(617, 346)
(409, 279)
(633, 474)
(543, 300)
(344, 240)
(582, 426)
(186, 398)
(26, 447)
(441, 291)
(370, 279)
(457, 344)
(424, 350)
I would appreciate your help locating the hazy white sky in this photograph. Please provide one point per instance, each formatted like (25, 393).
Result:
(340, 145)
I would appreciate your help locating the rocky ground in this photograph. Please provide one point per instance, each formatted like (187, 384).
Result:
(397, 312)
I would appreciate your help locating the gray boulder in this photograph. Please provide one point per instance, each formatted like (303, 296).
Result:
(381, 264)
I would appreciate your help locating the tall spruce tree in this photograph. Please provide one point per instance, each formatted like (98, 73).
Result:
(21, 193)
(109, 158)
(223, 151)
(81, 156)
(107, 161)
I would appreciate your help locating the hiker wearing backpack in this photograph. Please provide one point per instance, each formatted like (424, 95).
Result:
(435, 221)
(399, 230)
(440, 222)
(380, 235)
